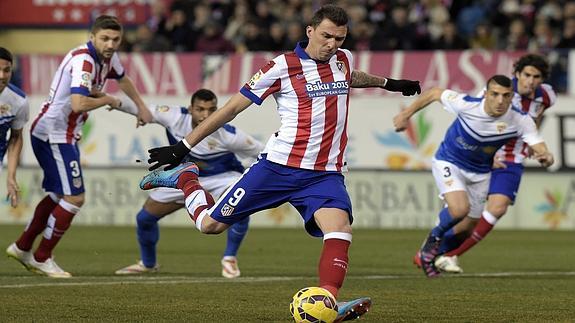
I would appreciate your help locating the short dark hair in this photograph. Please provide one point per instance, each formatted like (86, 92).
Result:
(6, 55)
(106, 22)
(501, 80)
(203, 95)
(331, 12)
(537, 61)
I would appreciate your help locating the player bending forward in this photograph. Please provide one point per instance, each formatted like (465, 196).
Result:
(218, 166)
(462, 164)
(303, 160)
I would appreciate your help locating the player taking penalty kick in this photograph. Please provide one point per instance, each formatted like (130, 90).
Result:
(303, 161)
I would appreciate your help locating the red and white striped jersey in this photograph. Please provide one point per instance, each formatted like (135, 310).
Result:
(81, 72)
(313, 102)
(515, 150)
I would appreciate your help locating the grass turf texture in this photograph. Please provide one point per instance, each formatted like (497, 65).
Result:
(530, 277)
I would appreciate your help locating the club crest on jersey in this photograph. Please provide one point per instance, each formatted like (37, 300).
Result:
(163, 108)
(326, 89)
(227, 210)
(501, 126)
(77, 182)
(341, 67)
(5, 109)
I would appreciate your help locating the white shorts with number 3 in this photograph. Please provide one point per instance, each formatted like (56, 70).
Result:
(450, 178)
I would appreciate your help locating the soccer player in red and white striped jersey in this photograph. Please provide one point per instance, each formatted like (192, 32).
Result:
(303, 160)
(76, 89)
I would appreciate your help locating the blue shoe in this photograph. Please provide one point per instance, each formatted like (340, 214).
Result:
(353, 309)
(427, 256)
(167, 178)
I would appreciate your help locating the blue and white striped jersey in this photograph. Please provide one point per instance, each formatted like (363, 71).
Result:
(473, 138)
(14, 113)
(217, 153)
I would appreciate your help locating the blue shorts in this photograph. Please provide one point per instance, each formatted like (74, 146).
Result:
(61, 166)
(506, 181)
(267, 185)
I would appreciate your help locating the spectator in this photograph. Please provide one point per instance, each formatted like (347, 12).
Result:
(449, 39)
(516, 37)
(483, 37)
(568, 36)
(294, 34)
(146, 41)
(179, 31)
(544, 39)
(212, 41)
(398, 33)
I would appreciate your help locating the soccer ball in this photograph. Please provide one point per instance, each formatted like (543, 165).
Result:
(313, 304)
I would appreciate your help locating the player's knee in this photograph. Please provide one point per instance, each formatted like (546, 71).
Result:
(497, 209)
(77, 200)
(459, 211)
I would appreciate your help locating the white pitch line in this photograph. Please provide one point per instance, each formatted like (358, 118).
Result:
(170, 280)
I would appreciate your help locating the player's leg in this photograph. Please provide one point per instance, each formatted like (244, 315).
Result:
(160, 203)
(21, 249)
(235, 236)
(451, 182)
(503, 188)
(217, 185)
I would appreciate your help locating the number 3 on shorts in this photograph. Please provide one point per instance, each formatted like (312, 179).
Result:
(237, 196)
(447, 171)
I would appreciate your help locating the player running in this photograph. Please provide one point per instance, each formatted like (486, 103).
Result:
(76, 89)
(216, 157)
(303, 160)
(462, 165)
(533, 97)
(14, 112)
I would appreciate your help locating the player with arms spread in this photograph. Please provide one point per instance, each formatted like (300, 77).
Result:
(533, 97)
(462, 164)
(302, 161)
(217, 160)
(14, 112)
(76, 89)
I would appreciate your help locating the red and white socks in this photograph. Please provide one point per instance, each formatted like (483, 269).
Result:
(37, 223)
(333, 261)
(58, 222)
(483, 227)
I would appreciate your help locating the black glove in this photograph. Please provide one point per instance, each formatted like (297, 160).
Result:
(406, 87)
(167, 155)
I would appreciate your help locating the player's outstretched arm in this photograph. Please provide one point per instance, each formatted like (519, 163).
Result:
(81, 103)
(542, 155)
(171, 156)
(361, 79)
(15, 144)
(127, 86)
(426, 98)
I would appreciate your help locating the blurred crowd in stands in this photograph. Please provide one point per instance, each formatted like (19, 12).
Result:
(222, 26)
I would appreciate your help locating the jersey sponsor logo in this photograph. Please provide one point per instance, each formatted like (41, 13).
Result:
(490, 150)
(465, 145)
(318, 89)
(227, 210)
(501, 126)
(254, 80)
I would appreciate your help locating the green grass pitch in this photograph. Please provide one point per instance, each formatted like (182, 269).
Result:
(513, 276)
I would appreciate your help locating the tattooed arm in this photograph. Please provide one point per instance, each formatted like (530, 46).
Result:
(362, 80)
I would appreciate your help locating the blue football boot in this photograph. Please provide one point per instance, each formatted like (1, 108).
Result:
(353, 309)
(167, 178)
